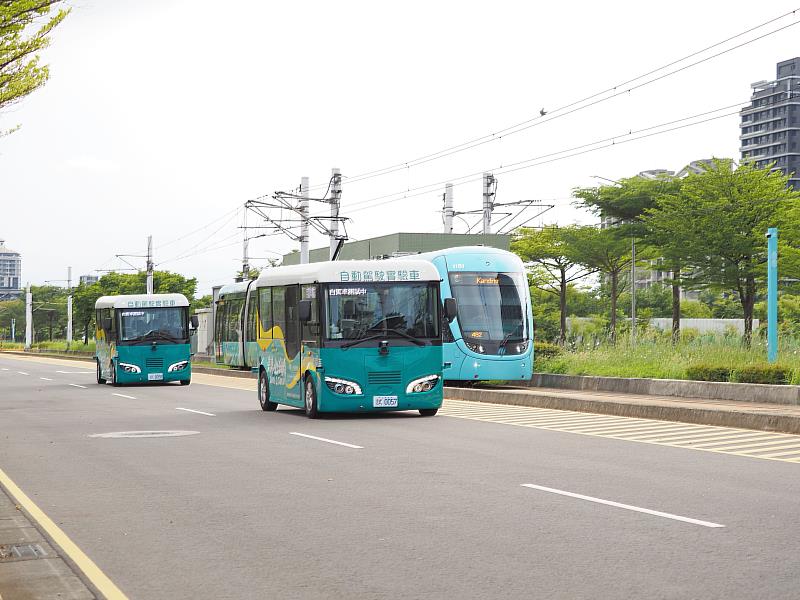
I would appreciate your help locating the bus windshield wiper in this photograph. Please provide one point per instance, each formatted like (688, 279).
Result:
(359, 340)
(417, 341)
(508, 336)
(159, 334)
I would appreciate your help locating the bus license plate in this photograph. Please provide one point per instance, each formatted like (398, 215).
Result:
(382, 401)
(155, 377)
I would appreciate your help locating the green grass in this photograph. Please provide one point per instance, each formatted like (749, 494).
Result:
(657, 358)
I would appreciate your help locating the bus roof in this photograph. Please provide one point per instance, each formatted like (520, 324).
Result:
(351, 271)
(465, 250)
(240, 287)
(141, 301)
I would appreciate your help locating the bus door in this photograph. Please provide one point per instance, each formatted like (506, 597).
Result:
(292, 341)
(219, 329)
(310, 331)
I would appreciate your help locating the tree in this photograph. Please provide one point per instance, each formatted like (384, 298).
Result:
(24, 29)
(551, 252)
(719, 219)
(626, 204)
(608, 252)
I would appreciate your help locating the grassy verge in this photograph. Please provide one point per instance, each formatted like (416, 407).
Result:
(56, 346)
(659, 359)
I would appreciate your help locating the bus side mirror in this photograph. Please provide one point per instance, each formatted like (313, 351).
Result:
(105, 323)
(450, 309)
(304, 310)
(194, 322)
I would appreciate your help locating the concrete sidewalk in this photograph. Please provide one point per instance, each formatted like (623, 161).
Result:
(704, 411)
(30, 567)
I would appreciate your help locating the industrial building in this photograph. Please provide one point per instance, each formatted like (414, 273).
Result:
(10, 273)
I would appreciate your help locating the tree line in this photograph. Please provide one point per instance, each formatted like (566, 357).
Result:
(707, 230)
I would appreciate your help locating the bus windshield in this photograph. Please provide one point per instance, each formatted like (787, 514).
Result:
(490, 305)
(356, 311)
(153, 324)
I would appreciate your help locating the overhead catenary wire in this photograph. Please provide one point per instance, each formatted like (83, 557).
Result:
(559, 112)
(521, 165)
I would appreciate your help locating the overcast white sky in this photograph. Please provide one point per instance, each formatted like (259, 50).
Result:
(162, 116)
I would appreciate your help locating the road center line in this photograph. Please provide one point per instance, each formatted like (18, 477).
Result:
(45, 379)
(321, 439)
(22, 372)
(199, 412)
(84, 563)
(122, 395)
(625, 506)
(74, 372)
(78, 386)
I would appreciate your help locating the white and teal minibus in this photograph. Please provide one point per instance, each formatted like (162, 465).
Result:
(143, 338)
(345, 336)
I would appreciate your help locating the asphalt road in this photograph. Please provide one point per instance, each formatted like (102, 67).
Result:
(422, 508)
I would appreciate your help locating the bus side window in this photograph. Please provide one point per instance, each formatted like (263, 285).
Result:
(279, 312)
(311, 328)
(265, 310)
(108, 313)
(292, 333)
(252, 317)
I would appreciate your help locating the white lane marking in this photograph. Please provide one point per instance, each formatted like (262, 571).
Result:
(45, 379)
(625, 506)
(74, 372)
(4, 369)
(199, 412)
(76, 385)
(123, 396)
(22, 372)
(313, 437)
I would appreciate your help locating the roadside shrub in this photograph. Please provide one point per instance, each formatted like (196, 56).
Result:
(546, 350)
(708, 372)
(773, 374)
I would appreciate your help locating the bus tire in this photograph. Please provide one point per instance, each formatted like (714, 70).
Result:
(114, 374)
(310, 398)
(100, 379)
(186, 381)
(428, 412)
(263, 392)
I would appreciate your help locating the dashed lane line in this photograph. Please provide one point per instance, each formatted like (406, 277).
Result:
(321, 439)
(23, 373)
(647, 511)
(77, 385)
(45, 379)
(123, 396)
(199, 412)
(706, 438)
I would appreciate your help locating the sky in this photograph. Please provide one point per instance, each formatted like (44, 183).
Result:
(163, 117)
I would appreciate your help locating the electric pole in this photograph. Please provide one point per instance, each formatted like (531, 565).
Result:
(149, 264)
(28, 318)
(69, 307)
(13, 330)
(488, 201)
(633, 292)
(245, 258)
(448, 208)
(336, 201)
(304, 221)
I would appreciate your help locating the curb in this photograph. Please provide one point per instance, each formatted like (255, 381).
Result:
(663, 409)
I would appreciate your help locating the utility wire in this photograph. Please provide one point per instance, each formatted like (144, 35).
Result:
(539, 160)
(613, 90)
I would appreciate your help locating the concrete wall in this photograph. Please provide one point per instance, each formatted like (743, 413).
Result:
(204, 336)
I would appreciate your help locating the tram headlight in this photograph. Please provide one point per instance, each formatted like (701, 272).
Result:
(178, 366)
(342, 386)
(423, 384)
(475, 347)
(129, 368)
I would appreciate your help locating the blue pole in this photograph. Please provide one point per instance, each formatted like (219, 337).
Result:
(772, 294)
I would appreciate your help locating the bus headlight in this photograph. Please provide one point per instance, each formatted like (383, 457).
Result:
(178, 366)
(342, 386)
(475, 347)
(423, 384)
(129, 368)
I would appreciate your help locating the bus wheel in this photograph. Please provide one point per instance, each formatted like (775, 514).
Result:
(114, 374)
(428, 412)
(186, 381)
(263, 392)
(100, 379)
(311, 399)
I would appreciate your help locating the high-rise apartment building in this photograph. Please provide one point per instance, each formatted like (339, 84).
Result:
(10, 273)
(771, 124)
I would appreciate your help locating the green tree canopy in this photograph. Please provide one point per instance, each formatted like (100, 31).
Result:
(24, 29)
(719, 220)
